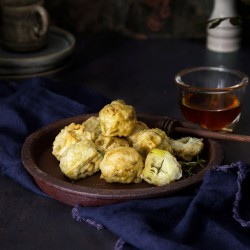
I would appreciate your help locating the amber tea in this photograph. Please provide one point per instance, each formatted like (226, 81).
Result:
(211, 111)
(211, 96)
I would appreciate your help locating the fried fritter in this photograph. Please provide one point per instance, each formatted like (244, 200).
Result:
(117, 119)
(80, 160)
(68, 136)
(92, 125)
(123, 165)
(187, 147)
(161, 168)
(152, 138)
(105, 143)
(140, 126)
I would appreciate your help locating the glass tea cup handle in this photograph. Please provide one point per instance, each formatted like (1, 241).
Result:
(42, 22)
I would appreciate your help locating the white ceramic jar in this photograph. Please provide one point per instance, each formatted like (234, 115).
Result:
(225, 37)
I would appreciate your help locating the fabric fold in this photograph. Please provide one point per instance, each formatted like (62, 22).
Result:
(31, 104)
(203, 221)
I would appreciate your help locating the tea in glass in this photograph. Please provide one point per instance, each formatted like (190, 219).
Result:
(211, 97)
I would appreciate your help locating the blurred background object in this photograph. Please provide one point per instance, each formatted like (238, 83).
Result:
(175, 18)
(224, 27)
(138, 18)
(24, 25)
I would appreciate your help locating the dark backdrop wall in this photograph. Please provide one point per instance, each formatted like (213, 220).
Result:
(138, 18)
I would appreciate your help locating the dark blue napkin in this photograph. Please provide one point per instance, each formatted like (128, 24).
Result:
(28, 105)
(216, 217)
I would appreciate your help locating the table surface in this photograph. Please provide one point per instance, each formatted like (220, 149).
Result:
(141, 72)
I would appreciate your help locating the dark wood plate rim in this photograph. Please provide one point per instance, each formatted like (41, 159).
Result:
(56, 188)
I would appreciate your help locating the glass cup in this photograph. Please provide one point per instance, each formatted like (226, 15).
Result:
(211, 97)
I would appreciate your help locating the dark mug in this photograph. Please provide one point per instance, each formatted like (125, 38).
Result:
(24, 25)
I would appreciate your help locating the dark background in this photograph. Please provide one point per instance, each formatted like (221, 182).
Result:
(137, 18)
(132, 17)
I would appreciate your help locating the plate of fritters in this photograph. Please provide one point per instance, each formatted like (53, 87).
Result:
(114, 156)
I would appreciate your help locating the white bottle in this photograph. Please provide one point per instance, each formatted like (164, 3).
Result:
(225, 37)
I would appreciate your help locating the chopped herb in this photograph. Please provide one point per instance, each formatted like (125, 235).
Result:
(192, 167)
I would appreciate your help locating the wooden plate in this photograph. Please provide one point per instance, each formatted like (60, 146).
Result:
(92, 191)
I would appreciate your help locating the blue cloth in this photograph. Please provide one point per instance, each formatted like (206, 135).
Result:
(216, 217)
(30, 104)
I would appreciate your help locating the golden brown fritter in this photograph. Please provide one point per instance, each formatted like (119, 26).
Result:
(123, 165)
(161, 168)
(105, 143)
(117, 119)
(187, 147)
(92, 125)
(68, 136)
(140, 126)
(80, 160)
(152, 138)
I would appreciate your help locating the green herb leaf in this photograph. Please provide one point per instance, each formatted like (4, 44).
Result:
(192, 167)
